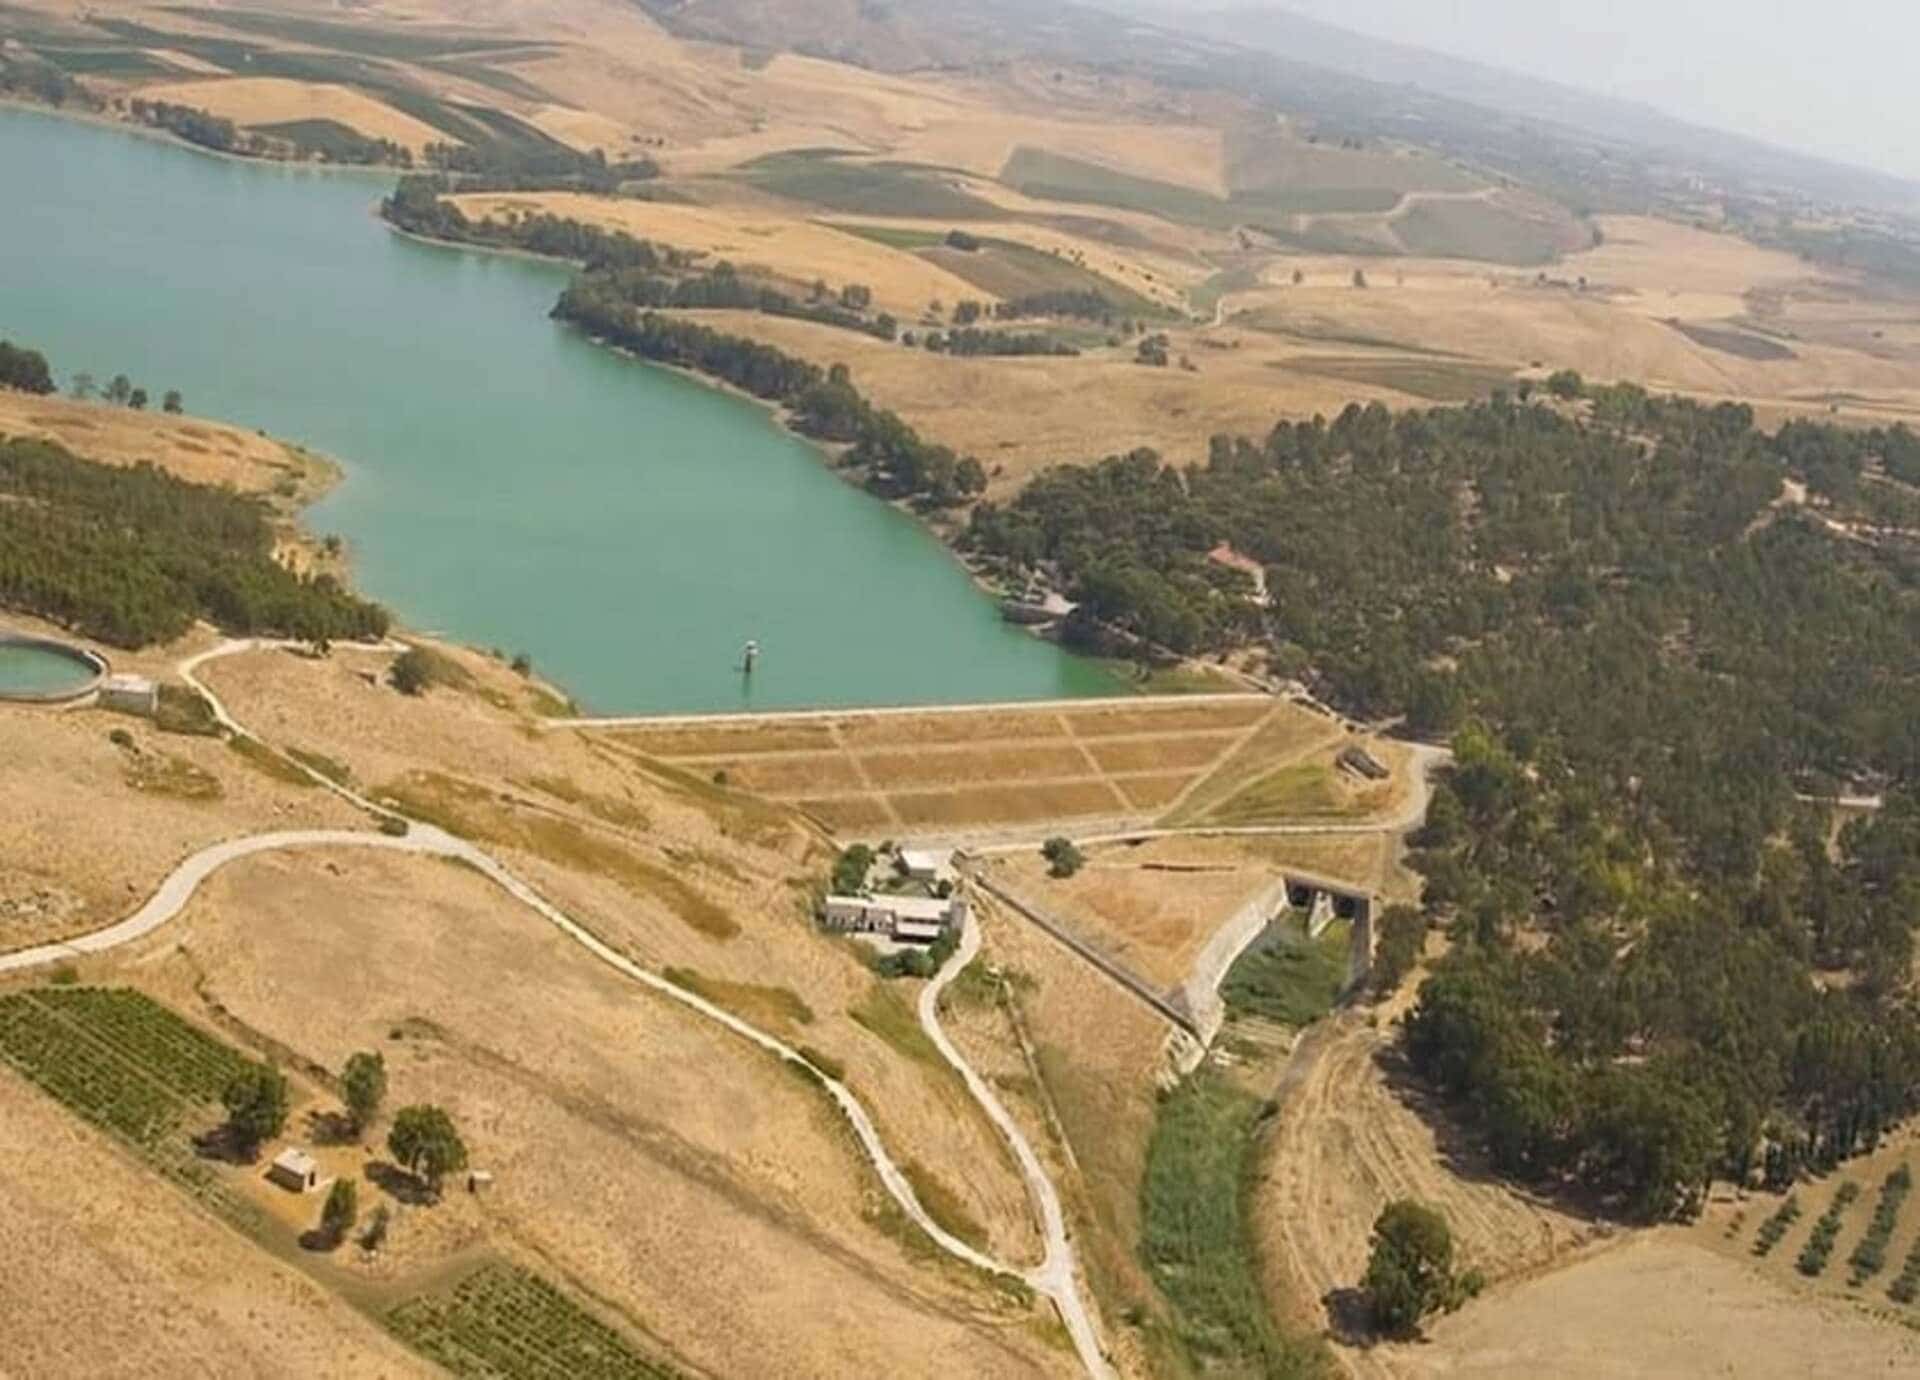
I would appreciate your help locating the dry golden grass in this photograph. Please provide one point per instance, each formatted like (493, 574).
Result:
(701, 845)
(1162, 275)
(1007, 804)
(67, 782)
(1019, 415)
(277, 100)
(848, 814)
(1342, 1146)
(1154, 921)
(582, 129)
(1172, 717)
(730, 740)
(696, 1170)
(1291, 733)
(892, 771)
(887, 730)
(1187, 155)
(1656, 1305)
(1099, 1054)
(1154, 792)
(807, 773)
(168, 1290)
(795, 249)
(191, 448)
(1161, 754)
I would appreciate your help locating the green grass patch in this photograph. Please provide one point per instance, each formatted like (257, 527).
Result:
(1055, 177)
(1284, 976)
(332, 768)
(946, 1207)
(1197, 1241)
(1436, 380)
(1306, 790)
(885, 1013)
(823, 178)
(106, 62)
(115, 1057)
(472, 812)
(364, 39)
(267, 762)
(505, 1323)
(185, 712)
(1476, 230)
(777, 1008)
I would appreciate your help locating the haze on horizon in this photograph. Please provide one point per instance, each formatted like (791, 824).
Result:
(1834, 79)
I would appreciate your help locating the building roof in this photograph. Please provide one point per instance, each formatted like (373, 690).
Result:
(296, 1161)
(132, 684)
(926, 908)
(926, 859)
(918, 929)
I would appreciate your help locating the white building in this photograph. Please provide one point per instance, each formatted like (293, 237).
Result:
(295, 1169)
(130, 695)
(906, 919)
(929, 865)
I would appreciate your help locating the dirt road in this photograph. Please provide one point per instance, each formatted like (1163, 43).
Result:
(1055, 1276)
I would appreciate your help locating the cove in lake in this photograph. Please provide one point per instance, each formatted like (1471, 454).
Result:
(509, 484)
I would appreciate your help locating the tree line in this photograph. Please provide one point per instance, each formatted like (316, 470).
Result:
(24, 370)
(822, 404)
(133, 556)
(1660, 972)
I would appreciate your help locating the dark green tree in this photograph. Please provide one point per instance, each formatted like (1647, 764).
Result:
(339, 1212)
(364, 1083)
(1063, 857)
(1410, 1274)
(256, 1103)
(424, 1142)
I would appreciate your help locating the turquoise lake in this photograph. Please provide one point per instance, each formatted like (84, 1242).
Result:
(508, 484)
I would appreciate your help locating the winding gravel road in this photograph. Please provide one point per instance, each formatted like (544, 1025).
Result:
(1055, 1277)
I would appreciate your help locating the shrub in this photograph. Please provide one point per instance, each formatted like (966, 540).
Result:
(1063, 858)
(341, 1210)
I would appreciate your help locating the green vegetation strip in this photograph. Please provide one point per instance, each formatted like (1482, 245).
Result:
(1813, 1256)
(1287, 977)
(1870, 1256)
(127, 1065)
(1197, 1240)
(1777, 1225)
(505, 1322)
(1907, 1287)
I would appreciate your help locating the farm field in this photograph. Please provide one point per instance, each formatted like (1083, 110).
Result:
(961, 772)
(691, 1156)
(1348, 1138)
(137, 1071)
(255, 101)
(801, 251)
(97, 1225)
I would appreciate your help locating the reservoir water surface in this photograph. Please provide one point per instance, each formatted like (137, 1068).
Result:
(508, 483)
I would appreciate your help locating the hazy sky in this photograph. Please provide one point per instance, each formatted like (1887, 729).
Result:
(1838, 77)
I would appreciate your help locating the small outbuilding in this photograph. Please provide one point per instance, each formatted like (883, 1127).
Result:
(928, 865)
(127, 694)
(295, 1170)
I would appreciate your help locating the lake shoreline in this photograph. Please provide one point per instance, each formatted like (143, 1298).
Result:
(507, 484)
